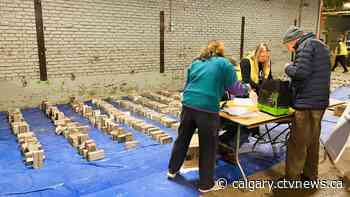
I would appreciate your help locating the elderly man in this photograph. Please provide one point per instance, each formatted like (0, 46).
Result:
(310, 81)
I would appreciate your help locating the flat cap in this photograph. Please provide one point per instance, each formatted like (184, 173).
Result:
(292, 33)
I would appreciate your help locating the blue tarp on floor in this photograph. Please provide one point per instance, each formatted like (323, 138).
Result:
(135, 173)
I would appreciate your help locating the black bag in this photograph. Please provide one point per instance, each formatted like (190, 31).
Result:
(275, 97)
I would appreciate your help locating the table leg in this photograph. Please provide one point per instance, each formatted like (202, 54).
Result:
(237, 152)
(272, 143)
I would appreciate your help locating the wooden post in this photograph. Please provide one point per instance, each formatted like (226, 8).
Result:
(162, 31)
(319, 17)
(40, 39)
(242, 37)
(293, 55)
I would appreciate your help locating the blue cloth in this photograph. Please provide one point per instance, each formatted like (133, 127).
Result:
(125, 173)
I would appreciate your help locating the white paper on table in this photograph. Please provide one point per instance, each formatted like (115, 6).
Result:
(340, 136)
(244, 101)
(239, 111)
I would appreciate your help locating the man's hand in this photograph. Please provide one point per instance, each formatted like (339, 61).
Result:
(286, 65)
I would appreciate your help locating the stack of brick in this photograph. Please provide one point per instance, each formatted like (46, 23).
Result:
(173, 95)
(157, 97)
(170, 105)
(31, 148)
(76, 134)
(137, 124)
(89, 151)
(159, 107)
(147, 112)
(192, 156)
(153, 105)
(104, 123)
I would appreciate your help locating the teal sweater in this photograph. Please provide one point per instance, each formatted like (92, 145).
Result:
(206, 83)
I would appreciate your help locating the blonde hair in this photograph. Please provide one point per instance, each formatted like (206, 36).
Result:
(258, 50)
(214, 48)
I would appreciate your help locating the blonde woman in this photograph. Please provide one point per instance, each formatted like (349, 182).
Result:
(208, 77)
(256, 67)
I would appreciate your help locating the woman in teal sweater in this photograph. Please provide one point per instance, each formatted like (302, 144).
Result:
(207, 79)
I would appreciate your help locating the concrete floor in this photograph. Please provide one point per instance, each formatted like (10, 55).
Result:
(327, 170)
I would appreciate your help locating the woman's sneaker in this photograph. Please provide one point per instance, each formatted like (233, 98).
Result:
(172, 175)
(216, 187)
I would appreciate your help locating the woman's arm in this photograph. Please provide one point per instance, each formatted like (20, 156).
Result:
(238, 89)
(270, 74)
(245, 70)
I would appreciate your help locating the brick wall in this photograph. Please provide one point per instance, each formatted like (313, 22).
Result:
(18, 47)
(97, 40)
(96, 37)
(193, 23)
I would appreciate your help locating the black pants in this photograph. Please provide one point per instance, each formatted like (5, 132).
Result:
(342, 60)
(208, 125)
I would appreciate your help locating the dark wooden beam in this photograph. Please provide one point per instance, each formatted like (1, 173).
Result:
(40, 39)
(241, 51)
(162, 33)
(293, 54)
